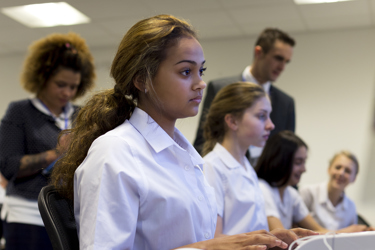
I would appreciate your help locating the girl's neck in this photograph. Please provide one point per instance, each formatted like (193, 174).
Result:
(281, 192)
(56, 111)
(334, 195)
(230, 143)
(166, 124)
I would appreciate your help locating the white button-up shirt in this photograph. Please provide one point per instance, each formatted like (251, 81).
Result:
(289, 210)
(140, 189)
(322, 210)
(238, 196)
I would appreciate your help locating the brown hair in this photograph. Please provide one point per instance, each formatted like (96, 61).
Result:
(269, 36)
(275, 165)
(53, 52)
(139, 55)
(232, 99)
(349, 155)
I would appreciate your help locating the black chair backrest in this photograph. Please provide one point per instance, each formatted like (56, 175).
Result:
(362, 221)
(58, 218)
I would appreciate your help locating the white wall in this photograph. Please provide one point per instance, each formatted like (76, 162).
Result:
(331, 78)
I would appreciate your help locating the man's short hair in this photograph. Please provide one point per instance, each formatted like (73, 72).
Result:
(268, 37)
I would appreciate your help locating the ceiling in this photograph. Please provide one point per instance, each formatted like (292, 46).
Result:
(212, 18)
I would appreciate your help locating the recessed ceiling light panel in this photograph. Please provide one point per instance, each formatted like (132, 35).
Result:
(318, 1)
(46, 15)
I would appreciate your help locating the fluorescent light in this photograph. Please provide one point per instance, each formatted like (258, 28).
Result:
(46, 15)
(318, 1)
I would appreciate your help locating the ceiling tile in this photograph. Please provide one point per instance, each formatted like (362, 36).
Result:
(271, 13)
(289, 26)
(118, 27)
(212, 18)
(339, 22)
(219, 32)
(171, 6)
(360, 7)
(99, 9)
(253, 3)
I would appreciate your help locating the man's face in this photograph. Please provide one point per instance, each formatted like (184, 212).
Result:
(273, 63)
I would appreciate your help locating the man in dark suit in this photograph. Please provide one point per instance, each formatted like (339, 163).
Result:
(273, 50)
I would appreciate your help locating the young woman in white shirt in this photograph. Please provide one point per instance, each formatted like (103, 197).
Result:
(327, 201)
(138, 183)
(279, 168)
(238, 117)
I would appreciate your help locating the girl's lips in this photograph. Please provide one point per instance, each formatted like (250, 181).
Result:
(197, 99)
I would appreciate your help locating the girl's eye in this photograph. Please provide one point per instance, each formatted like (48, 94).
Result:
(262, 117)
(186, 72)
(201, 71)
(60, 85)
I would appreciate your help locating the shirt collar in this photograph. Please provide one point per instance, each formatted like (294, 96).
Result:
(226, 157)
(158, 138)
(38, 105)
(248, 77)
(323, 198)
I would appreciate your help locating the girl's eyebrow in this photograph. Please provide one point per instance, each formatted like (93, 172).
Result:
(190, 61)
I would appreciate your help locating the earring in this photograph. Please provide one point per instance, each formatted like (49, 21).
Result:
(146, 91)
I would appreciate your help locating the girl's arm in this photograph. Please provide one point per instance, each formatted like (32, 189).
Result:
(32, 164)
(274, 223)
(309, 223)
(219, 227)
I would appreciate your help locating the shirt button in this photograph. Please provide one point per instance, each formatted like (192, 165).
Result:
(200, 197)
(207, 235)
(187, 168)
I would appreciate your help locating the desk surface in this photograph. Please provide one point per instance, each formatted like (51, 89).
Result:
(344, 241)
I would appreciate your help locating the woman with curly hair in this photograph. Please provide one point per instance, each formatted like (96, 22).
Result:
(58, 69)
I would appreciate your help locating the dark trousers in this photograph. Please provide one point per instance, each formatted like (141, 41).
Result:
(25, 237)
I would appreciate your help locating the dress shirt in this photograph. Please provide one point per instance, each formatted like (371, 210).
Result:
(289, 210)
(140, 189)
(238, 196)
(322, 210)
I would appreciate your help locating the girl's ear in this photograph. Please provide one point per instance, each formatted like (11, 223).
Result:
(258, 51)
(139, 84)
(231, 122)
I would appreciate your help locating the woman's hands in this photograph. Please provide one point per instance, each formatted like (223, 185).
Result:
(355, 228)
(257, 240)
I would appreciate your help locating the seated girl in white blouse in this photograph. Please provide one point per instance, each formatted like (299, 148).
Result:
(327, 201)
(138, 182)
(238, 117)
(279, 168)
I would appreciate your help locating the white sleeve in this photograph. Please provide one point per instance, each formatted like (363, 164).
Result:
(107, 195)
(300, 210)
(213, 177)
(269, 200)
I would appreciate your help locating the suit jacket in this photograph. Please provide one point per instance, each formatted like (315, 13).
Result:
(282, 115)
